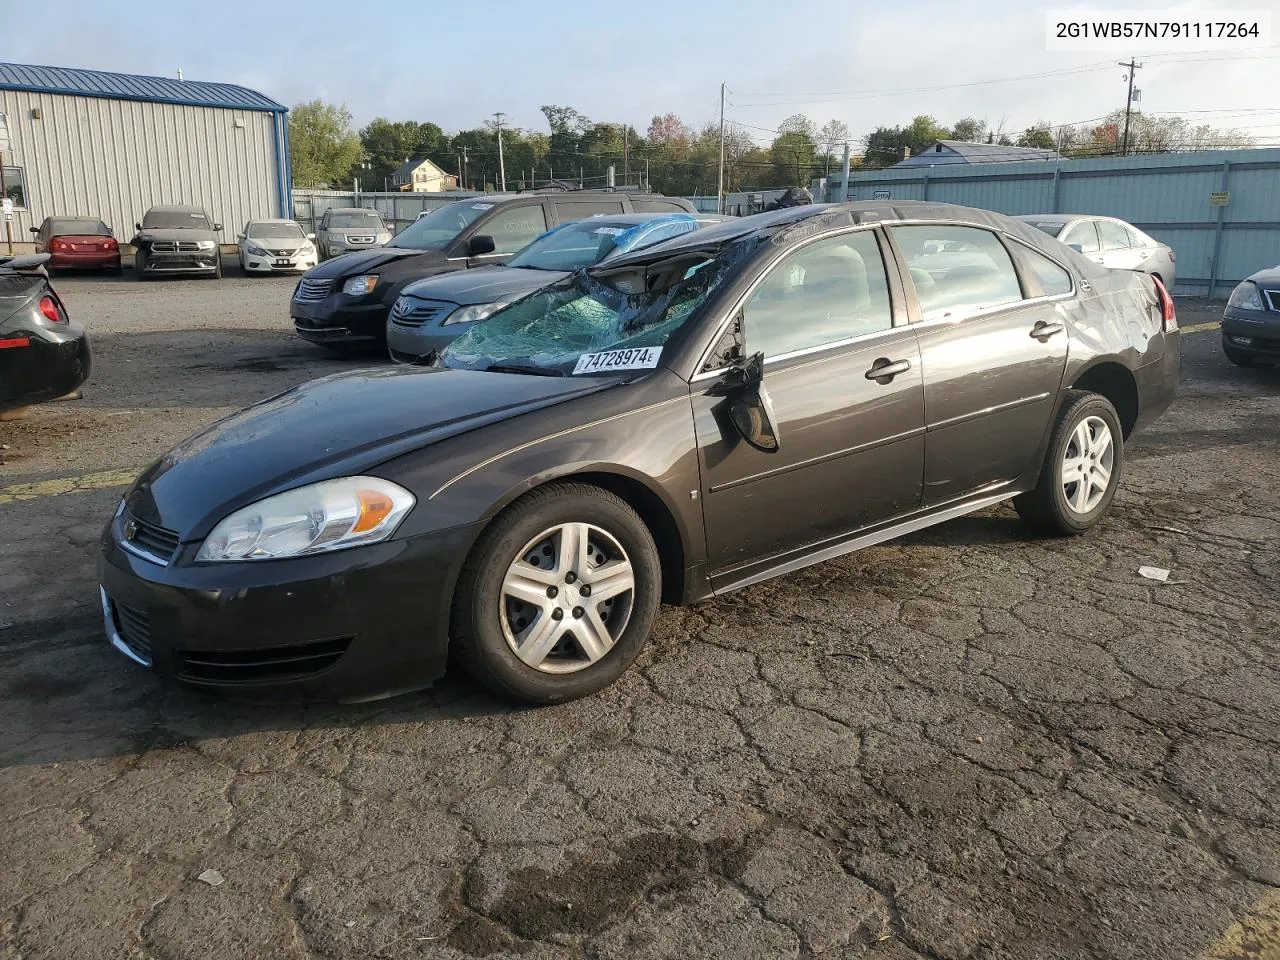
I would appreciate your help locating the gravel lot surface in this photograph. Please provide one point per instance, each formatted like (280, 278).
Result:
(968, 743)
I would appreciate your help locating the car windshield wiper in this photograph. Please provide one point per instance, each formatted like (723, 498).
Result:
(529, 368)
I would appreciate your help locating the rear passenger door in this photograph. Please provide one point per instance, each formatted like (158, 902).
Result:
(993, 348)
(1084, 234)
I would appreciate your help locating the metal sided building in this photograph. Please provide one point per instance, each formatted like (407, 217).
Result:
(110, 145)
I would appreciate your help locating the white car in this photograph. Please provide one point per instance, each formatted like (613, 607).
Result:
(275, 246)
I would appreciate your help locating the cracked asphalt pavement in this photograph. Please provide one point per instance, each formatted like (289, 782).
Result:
(968, 743)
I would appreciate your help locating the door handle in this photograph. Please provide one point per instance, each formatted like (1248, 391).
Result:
(1043, 330)
(884, 369)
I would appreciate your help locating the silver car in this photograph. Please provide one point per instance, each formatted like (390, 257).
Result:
(345, 229)
(1110, 242)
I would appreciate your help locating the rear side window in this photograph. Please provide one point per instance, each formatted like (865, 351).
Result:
(1085, 234)
(569, 210)
(957, 270)
(656, 206)
(826, 292)
(514, 228)
(1114, 235)
(1054, 279)
(1137, 238)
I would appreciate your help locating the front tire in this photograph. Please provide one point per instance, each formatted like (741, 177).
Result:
(140, 265)
(558, 595)
(1081, 470)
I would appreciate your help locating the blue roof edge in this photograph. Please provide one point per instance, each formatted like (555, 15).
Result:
(263, 104)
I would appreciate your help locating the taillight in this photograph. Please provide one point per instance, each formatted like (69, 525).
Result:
(1173, 257)
(110, 244)
(50, 309)
(58, 245)
(1167, 315)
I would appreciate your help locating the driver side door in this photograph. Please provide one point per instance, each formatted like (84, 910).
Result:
(851, 445)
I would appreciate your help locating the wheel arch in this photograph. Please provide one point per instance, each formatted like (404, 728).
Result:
(657, 514)
(1116, 382)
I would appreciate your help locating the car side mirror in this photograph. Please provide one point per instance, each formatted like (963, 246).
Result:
(481, 244)
(137, 226)
(1077, 247)
(34, 229)
(239, 236)
(217, 226)
(749, 406)
(311, 236)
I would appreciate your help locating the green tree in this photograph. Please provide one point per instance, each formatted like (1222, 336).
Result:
(969, 129)
(389, 143)
(885, 145)
(831, 138)
(1038, 135)
(321, 143)
(793, 152)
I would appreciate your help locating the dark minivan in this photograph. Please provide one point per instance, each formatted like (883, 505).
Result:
(344, 302)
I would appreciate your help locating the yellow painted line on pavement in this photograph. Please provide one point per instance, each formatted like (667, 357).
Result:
(1256, 934)
(1201, 327)
(53, 488)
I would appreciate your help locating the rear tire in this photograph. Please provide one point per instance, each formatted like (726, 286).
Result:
(534, 546)
(1239, 358)
(1081, 471)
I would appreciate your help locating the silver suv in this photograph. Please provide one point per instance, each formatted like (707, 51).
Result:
(346, 229)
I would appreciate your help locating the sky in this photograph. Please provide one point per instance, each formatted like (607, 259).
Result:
(865, 63)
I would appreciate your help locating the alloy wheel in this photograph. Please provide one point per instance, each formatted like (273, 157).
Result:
(1087, 465)
(567, 598)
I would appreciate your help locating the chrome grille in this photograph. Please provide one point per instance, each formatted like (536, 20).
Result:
(1273, 298)
(312, 290)
(134, 628)
(148, 540)
(175, 246)
(360, 239)
(411, 312)
(282, 253)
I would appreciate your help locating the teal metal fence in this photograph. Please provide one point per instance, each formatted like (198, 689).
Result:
(1219, 211)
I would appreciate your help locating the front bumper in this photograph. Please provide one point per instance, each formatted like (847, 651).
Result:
(253, 264)
(411, 344)
(337, 321)
(175, 263)
(1252, 332)
(355, 624)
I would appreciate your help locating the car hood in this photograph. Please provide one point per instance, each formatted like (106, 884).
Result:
(1270, 277)
(341, 425)
(177, 233)
(367, 261)
(482, 285)
(284, 243)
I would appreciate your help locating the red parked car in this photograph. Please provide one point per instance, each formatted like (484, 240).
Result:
(77, 243)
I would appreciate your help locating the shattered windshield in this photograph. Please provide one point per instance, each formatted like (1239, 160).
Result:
(584, 325)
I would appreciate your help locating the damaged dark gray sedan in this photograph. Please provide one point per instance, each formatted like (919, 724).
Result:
(689, 419)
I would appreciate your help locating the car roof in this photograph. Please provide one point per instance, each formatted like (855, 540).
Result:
(175, 208)
(351, 210)
(271, 220)
(75, 216)
(792, 224)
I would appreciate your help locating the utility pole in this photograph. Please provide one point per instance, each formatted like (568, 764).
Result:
(1133, 66)
(720, 178)
(464, 167)
(647, 184)
(626, 160)
(502, 169)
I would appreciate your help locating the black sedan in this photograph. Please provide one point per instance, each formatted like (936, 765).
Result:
(686, 420)
(1251, 321)
(42, 356)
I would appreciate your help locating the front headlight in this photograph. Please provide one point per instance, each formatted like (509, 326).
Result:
(480, 311)
(1245, 297)
(331, 515)
(206, 244)
(359, 286)
(384, 237)
(254, 250)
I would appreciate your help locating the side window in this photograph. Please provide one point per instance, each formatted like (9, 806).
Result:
(514, 227)
(1114, 235)
(656, 206)
(1053, 279)
(828, 291)
(957, 270)
(1085, 234)
(1137, 238)
(570, 210)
